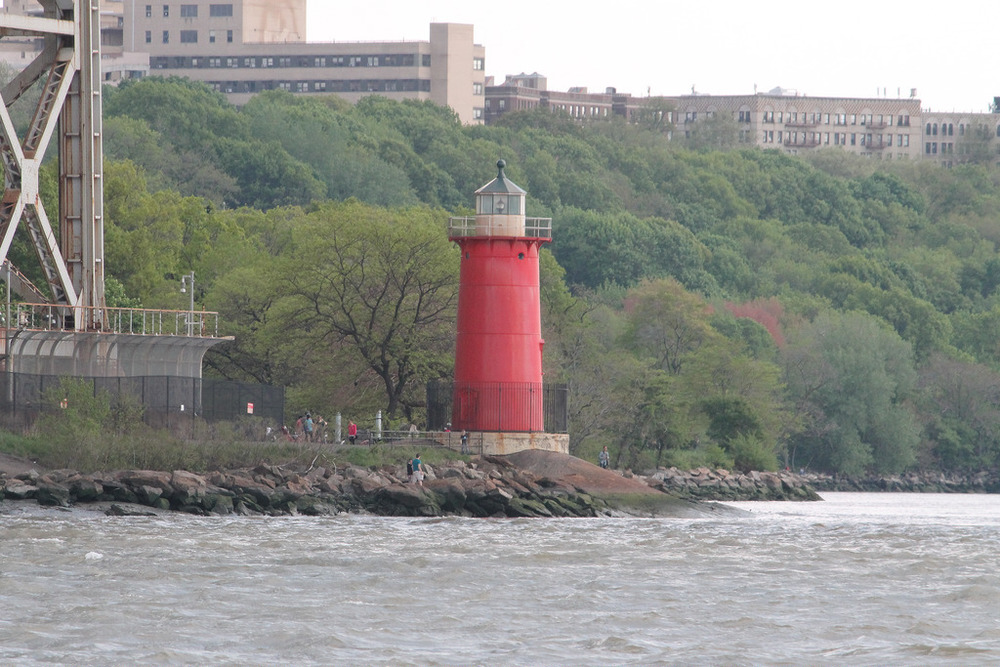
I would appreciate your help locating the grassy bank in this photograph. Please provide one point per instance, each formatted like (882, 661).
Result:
(160, 450)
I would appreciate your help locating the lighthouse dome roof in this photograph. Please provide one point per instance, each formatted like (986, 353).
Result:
(501, 184)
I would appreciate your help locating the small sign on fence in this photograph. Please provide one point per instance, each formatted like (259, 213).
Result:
(249, 408)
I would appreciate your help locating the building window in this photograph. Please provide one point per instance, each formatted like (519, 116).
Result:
(166, 11)
(166, 36)
(229, 36)
(149, 11)
(220, 10)
(477, 113)
(478, 64)
(149, 36)
(189, 11)
(189, 36)
(211, 37)
(477, 89)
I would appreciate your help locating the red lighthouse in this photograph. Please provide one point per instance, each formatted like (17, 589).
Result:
(498, 353)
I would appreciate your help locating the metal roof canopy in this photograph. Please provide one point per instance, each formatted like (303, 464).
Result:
(84, 354)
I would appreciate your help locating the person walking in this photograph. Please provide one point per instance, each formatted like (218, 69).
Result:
(465, 441)
(604, 458)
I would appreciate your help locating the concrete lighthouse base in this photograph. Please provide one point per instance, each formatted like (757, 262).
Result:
(509, 443)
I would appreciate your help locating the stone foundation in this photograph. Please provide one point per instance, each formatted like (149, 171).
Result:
(500, 444)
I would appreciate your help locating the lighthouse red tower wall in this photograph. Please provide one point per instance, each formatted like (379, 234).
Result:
(498, 354)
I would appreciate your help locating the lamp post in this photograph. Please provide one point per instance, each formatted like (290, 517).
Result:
(187, 284)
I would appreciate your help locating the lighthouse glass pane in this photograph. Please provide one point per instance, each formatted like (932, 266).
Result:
(514, 205)
(486, 204)
(500, 204)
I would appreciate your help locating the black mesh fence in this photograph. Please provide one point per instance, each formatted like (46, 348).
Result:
(514, 396)
(167, 401)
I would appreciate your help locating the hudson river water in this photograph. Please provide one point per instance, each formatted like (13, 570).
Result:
(860, 579)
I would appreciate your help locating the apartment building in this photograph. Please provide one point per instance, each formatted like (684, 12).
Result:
(879, 128)
(884, 128)
(529, 91)
(873, 127)
(244, 47)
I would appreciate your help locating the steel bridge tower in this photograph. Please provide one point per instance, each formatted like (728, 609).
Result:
(67, 329)
(69, 69)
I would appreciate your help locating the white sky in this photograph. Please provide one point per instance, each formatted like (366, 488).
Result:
(948, 51)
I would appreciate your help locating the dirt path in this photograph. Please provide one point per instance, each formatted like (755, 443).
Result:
(15, 465)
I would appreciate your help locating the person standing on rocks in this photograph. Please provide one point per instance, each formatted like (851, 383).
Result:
(418, 471)
(604, 458)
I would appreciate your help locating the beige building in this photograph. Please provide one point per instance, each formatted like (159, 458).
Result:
(243, 47)
(879, 128)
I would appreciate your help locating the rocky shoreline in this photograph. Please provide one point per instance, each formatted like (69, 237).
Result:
(978, 482)
(527, 484)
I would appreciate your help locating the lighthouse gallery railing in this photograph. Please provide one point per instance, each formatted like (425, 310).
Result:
(534, 228)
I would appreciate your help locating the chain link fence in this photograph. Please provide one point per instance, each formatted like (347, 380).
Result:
(182, 405)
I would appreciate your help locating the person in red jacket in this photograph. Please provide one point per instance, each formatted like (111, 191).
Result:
(352, 432)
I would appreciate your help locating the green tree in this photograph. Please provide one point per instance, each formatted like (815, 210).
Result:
(851, 378)
(715, 132)
(384, 283)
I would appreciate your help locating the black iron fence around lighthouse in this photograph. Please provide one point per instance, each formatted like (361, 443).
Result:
(499, 399)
